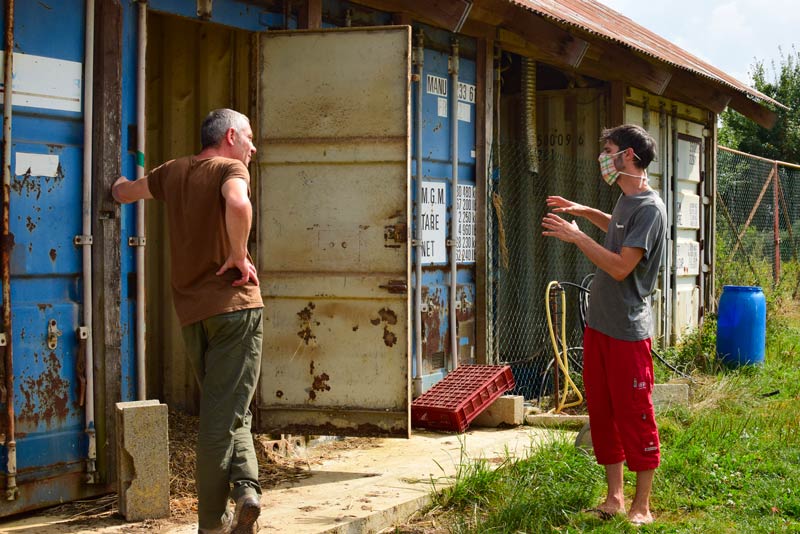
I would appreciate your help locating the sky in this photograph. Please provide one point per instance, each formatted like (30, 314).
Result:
(729, 34)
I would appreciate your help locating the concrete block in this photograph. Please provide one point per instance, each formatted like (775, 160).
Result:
(505, 410)
(666, 395)
(142, 460)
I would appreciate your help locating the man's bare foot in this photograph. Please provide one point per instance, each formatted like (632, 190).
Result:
(639, 518)
(607, 509)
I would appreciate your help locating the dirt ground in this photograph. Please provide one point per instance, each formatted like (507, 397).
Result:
(280, 462)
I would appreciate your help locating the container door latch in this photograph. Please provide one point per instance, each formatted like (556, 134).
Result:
(395, 286)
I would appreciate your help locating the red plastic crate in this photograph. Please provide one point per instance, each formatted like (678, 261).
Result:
(460, 397)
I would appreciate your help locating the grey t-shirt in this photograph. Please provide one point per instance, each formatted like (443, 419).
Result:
(622, 309)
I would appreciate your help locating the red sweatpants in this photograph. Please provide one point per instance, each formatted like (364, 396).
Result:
(618, 379)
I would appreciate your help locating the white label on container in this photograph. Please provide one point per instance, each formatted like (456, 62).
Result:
(433, 210)
(442, 111)
(466, 92)
(464, 112)
(687, 258)
(36, 164)
(44, 82)
(465, 213)
(688, 160)
(436, 85)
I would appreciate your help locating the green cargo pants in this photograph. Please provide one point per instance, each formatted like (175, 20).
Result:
(225, 354)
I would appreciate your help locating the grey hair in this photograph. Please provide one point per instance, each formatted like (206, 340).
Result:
(217, 123)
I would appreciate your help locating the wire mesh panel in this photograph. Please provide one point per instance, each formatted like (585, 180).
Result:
(523, 261)
(758, 233)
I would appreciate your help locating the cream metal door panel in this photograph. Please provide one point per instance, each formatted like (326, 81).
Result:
(333, 156)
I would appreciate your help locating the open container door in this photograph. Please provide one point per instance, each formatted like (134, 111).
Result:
(334, 174)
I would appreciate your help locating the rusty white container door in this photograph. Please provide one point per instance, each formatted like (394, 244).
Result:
(333, 248)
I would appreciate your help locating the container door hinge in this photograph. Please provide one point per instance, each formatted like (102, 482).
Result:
(395, 286)
(80, 364)
(82, 240)
(137, 241)
(53, 334)
(3, 345)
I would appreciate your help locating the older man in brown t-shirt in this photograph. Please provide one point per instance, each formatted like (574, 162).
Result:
(218, 302)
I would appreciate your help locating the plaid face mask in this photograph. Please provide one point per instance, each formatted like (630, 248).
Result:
(607, 168)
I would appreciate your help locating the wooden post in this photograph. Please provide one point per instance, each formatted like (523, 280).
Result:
(311, 15)
(483, 134)
(106, 255)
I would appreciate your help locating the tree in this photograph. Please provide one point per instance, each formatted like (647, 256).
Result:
(782, 142)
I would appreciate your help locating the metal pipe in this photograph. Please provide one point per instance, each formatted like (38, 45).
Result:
(674, 224)
(12, 492)
(86, 239)
(751, 156)
(141, 384)
(453, 68)
(776, 187)
(420, 61)
(666, 260)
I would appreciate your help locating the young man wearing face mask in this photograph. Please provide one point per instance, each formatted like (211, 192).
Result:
(618, 366)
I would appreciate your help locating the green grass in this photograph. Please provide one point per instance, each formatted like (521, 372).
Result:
(730, 461)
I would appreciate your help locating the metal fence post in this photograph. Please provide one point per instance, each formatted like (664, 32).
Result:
(776, 222)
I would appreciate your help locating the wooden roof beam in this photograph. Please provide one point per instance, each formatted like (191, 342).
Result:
(552, 41)
(448, 14)
(754, 111)
(700, 91)
(616, 63)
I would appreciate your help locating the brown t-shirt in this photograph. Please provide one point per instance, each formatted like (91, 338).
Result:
(192, 191)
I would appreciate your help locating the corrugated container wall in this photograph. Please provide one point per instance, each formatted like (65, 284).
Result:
(54, 440)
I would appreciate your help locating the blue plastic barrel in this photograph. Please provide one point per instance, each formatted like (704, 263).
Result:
(741, 326)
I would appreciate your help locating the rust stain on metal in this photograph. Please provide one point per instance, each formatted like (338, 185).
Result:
(47, 395)
(355, 328)
(389, 337)
(432, 321)
(388, 316)
(53, 254)
(306, 314)
(311, 368)
(321, 383)
(376, 321)
(25, 182)
(44, 306)
(279, 394)
(30, 224)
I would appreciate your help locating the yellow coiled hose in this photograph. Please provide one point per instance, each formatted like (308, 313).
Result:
(561, 357)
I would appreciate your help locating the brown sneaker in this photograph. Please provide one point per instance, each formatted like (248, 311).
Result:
(248, 508)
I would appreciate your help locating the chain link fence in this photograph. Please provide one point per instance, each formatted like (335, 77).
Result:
(523, 262)
(758, 222)
(757, 242)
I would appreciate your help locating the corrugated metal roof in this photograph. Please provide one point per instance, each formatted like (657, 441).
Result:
(600, 20)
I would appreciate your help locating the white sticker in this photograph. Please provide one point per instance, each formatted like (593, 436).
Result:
(442, 111)
(465, 213)
(464, 112)
(44, 82)
(433, 210)
(466, 92)
(436, 85)
(36, 164)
